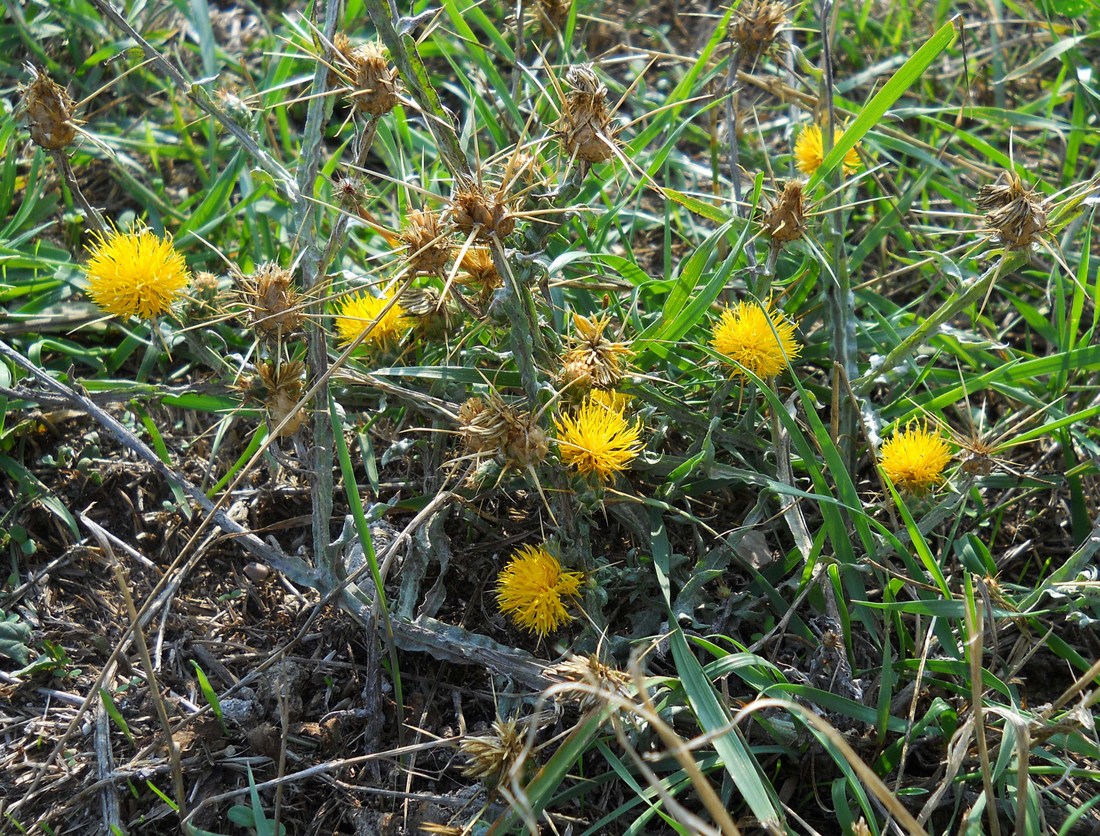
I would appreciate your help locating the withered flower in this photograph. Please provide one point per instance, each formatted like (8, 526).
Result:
(273, 302)
(48, 109)
(585, 125)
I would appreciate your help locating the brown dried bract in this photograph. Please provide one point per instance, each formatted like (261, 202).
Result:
(48, 109)
(364, 69)
(550, 15)
(274, 304)
(1017, 215)
(756, 27)
(475, 211)
(492, 427)
(593, 361)
(428, 247)
(585, 125)
(279, 387)
(785, 221)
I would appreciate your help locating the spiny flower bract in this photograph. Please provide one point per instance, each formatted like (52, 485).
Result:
(760, 339)
(914, 459)
(597, 439)
(532, 588)
(809, 151)
(135, 273)
(358, 313)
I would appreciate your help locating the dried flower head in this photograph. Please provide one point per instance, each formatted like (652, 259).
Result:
(432, 317)
(493, 755)
(756, 26)
(593, 361)
(597, 439)
(480, 270)
(48, 109)
(585, 125)
(914, 459)
(427, 245)
(590, 671)
(381, 317)
(283, 384)
(205, 299)
(366, 72)
(533, 590)
(1015, 214)
(135, 273)
(273, 302)
(475, 210)
(785, 221)
(492, 427)
(809, 151)
(549, 15)
(761, 339)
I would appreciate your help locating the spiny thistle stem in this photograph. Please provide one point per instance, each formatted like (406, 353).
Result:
(94, 218)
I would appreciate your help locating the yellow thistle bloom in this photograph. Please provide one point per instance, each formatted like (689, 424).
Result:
(531, 589)
(760, 339)
(914, 459)
(135, 273)
(358, 313)
(809, 151)
(597, 439)
(610, 399)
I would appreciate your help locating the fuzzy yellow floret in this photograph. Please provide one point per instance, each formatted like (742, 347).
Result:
(914, 459)
(809, 151)
(364, 312)
(135, 274)
(760, 339)
(597, 439)
(532, 590)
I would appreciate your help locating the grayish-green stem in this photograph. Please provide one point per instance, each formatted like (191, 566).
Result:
(94, 218)
(312, 270)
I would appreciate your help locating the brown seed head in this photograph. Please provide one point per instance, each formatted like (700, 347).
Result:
(474, 210)
(480, 270)
(274, 304)
(284, 384)
(593, 361)
(550, 15)
(492, 755)
(427, 245)
(48, 110)
(495, 428)
(755, 28)
(365, 70)
(1015, 214)
(785, 221)
(590, 671)
(584, 127)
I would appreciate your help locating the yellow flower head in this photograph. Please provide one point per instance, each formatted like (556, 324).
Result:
(135, 273)
(531, 589)
(914, 459)
(358, 314)
(597, 439)
(760, 339)
(809, 151)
